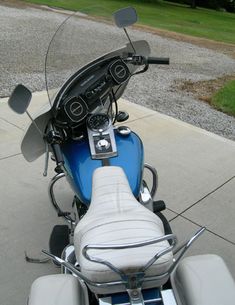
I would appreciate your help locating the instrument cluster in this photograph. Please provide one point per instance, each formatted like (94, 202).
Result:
(90, 88)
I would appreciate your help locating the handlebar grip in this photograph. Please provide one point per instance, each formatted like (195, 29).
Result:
(158, 60)
(57, 153)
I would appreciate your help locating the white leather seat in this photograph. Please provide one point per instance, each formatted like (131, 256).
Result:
(116, 217)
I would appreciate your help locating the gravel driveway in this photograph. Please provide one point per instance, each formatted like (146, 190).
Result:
(25, 34)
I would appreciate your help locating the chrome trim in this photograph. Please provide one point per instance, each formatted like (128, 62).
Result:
(105, 301)
(68, 255)
(136, 297)
(74, 270)
(154, 177)
(57, 177)
(123, 130)
(152, 300)
(46, 159)
(145, 197)
(108, 301)
(107, 132)
(145, 301)
(185, 247)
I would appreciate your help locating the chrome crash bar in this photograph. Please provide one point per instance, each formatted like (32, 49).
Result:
(65, 215)
(153, 171)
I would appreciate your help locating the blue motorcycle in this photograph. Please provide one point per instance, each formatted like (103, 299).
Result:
(117, 248)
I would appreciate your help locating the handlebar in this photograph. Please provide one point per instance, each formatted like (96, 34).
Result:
(158, 60)
(139, 60)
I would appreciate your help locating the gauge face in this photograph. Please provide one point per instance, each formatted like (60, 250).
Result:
(98, 121)
(119, 71)
(75, 109)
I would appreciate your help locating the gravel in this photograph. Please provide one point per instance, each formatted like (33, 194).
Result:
(26, 32)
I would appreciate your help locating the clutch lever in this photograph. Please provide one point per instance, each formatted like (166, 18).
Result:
(138, 60)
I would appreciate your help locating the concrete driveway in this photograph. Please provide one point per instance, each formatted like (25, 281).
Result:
(196, 168)
(197, 181)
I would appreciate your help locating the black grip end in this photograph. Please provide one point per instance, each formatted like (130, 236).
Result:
(158, 60)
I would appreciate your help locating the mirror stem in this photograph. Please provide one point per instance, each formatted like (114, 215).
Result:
(129, 40)
(32, 120)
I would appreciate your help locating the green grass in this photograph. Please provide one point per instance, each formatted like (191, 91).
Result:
(224, 99)
(205, 23)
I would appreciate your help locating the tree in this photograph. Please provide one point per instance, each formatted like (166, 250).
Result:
(230, 6)
(193, 4)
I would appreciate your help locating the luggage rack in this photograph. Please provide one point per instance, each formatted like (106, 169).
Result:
(132, 282)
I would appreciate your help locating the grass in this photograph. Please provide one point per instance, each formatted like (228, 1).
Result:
(224, 99)
(219, 26)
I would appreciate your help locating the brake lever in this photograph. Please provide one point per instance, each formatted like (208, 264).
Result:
(136, 60)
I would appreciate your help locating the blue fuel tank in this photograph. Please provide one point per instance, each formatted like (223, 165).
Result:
(80, 166)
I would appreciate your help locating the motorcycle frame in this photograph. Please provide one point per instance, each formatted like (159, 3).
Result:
(145, 196)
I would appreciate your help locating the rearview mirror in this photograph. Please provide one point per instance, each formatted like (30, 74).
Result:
(125, 17)
(20, 99)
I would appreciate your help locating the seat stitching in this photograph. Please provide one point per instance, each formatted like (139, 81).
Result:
(119, 221)
(100, 271)
(129, 229)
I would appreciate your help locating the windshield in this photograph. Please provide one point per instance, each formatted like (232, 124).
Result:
(79, 40)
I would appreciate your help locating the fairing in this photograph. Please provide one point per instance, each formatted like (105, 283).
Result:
(33, 145)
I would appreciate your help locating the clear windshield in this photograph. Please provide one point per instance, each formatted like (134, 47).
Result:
(79, 40)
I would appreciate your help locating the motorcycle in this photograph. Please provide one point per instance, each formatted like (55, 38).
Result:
(118, 248)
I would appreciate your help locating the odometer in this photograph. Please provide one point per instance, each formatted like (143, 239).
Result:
(98, 121)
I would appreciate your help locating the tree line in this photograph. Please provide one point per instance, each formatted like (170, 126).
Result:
(228, 5)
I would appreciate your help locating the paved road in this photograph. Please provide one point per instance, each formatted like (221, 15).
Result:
(25, 34)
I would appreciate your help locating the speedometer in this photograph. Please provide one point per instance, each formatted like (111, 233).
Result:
(99, 121)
